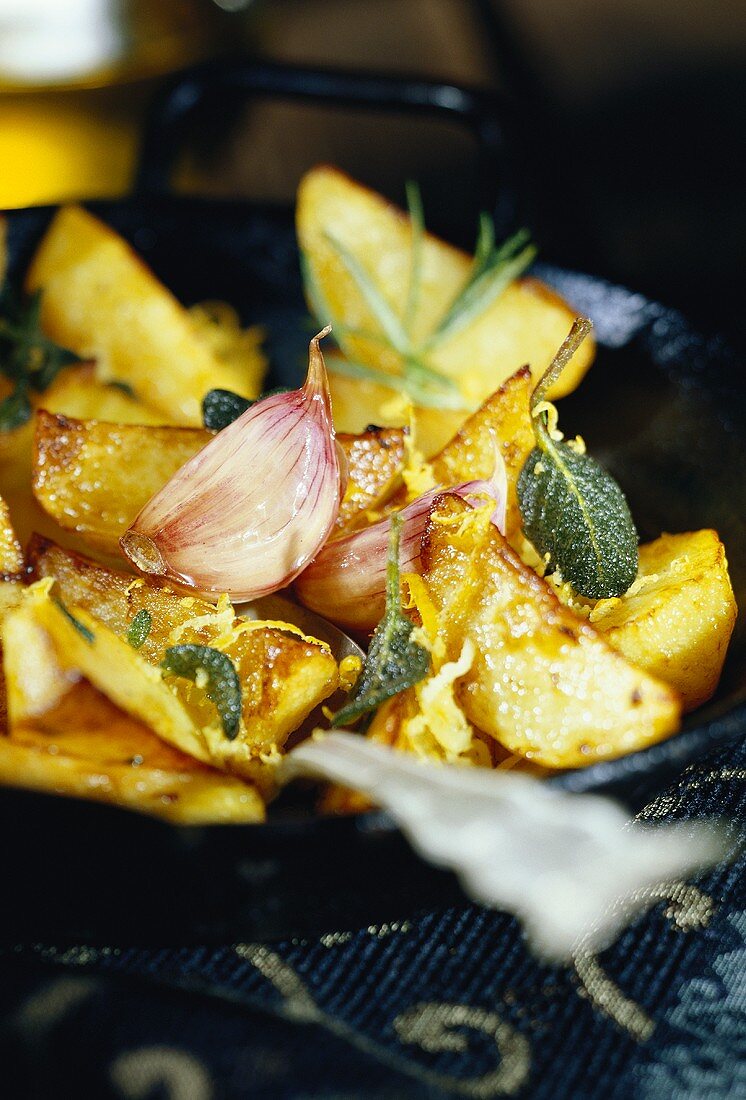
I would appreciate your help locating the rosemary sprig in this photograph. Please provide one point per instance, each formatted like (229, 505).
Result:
(493, 269)
(27, 357)
(417, 220)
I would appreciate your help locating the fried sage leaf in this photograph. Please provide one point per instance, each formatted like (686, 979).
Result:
(573, 511)
(139, 628)
(202, 662)
(394, 662)
(221, 407)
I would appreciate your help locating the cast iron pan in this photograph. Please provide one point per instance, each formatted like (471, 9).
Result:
(663, 407)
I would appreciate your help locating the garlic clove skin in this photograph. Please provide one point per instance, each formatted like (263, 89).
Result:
(346, 582)
(248, 513)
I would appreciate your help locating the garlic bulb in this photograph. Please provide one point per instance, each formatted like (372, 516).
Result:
(248, 512)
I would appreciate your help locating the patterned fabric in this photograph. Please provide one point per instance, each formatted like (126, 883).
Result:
(445, 1004)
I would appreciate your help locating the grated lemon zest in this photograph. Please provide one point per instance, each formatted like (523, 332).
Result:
(439, 715)
(350, 668)
(552, 419)
(417, 474)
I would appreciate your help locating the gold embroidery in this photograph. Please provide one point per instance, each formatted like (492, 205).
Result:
(425, 1025)
(429, 1027)
(607, 997)
(297, 1001)
(331, 939)
(137, 1073)
(689, 909)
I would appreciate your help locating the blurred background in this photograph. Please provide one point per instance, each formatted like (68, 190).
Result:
(623, 120)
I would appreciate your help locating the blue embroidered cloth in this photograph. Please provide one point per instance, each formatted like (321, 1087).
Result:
(447, 1004)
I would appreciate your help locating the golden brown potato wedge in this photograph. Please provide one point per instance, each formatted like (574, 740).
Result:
(543, 683)
(93, 478)
(80, 645)
(69, 738)
(677, 619)
(102, 301)
(12, 563)
(503, 419)
(524, 324)
(284, 676)
(374, 463)
(75, 392)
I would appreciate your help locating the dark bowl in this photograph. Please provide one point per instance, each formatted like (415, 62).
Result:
(663, 408)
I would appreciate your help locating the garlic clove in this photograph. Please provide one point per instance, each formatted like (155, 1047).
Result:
(346, 581)
(248, 513)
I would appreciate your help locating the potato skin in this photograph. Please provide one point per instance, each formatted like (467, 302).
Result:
(676, 623)
(544, 683)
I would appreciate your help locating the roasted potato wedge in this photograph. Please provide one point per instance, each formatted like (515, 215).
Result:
(524, 324)
(12, 564)
(102, 301)
(67, 737)
(374, 463)
(93, 478)
(543, 683)
(75, 392)
(677, 619)
(284, 676)
(80, 645)
(503, 420)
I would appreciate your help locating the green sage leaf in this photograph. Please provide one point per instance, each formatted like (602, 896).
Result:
(394, 662)
(573, 511)
(221, 407)
(139, 628)
(222, 682)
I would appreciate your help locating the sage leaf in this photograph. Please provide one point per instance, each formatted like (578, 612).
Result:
(221, 679)
(394, 662)
(139, 628)
(221, 407)
(572, 509)
(574, 512)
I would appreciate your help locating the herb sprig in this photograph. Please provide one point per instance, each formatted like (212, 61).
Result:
(394, 662)
(573, 511)
(27, 357)
(493, 269)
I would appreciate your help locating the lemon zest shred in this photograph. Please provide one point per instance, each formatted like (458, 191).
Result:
(439, 715)
(552, 419)
(350, 668)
